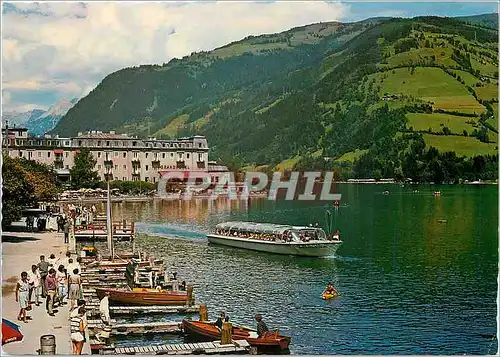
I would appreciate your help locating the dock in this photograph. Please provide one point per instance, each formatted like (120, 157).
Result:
(97, 231)
(125, 329)
(94, 277)
(93, 308)
(215, 347)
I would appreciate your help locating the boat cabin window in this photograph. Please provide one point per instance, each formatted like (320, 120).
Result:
(271, 233)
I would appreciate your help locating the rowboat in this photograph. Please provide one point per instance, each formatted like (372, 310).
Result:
(144, 296)
(207, 331)
(328, 296)
(275, 238)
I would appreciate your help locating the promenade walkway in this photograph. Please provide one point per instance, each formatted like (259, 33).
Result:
(19, 252)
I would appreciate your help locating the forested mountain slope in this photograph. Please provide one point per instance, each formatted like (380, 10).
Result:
(380, 92)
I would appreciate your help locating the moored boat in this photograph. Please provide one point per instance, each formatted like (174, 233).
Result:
(207, 331)
(147, 297)
(275, 238)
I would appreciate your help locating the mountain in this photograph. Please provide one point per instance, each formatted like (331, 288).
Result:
(20, 119)
(369, 97)
(49, 119)
(485, 20)
(37, 121)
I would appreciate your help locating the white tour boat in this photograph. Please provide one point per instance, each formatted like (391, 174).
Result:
(276, 238)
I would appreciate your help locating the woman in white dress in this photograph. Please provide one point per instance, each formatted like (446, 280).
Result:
(22, 295)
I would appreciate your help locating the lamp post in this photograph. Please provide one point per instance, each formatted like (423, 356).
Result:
(108, 164)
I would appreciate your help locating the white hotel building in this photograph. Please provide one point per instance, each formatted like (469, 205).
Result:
(131, 158)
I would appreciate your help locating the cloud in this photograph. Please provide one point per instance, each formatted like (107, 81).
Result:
(70, 47)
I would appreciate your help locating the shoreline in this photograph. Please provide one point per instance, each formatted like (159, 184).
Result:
(20, 250)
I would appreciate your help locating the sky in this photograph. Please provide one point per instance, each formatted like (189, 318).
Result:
(62, 50)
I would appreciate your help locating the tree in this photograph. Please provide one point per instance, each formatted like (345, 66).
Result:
(25, 183)
(16, 191)
(82, 173)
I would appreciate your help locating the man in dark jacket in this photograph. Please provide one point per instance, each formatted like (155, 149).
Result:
(221, 319)
(261, 325)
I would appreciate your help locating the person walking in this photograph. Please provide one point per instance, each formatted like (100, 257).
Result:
(66, 231)
(22, 296)
(77, 329)
(34, 283)
(43, 267)
(74, 285)
(50, 287)
(62, 285)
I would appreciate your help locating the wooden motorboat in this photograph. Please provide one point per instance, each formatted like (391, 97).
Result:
(144, 296)
(208, 331)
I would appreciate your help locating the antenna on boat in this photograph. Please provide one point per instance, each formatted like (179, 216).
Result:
(329, 223)
(109, 227)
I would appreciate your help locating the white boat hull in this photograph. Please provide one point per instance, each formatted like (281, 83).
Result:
(308, 249)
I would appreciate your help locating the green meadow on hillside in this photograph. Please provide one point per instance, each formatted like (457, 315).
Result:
(463, 146)
(437, 121)
(432, 85)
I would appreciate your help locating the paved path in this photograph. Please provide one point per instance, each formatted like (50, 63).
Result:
(19, 252)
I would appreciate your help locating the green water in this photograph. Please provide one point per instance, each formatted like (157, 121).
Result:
(410, 284)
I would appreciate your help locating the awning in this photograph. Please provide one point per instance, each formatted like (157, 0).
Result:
(183, 174)
(58, 151)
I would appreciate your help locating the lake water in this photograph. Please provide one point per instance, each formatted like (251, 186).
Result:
(409, 283)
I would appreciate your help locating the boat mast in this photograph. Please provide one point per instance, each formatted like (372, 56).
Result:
(108, 214)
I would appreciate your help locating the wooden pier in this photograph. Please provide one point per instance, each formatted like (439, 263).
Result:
(124, 329)
(122, 231)
(97, 277)
(93, 308)
(215, 347)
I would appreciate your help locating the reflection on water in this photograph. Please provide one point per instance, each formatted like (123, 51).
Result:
(409, 284)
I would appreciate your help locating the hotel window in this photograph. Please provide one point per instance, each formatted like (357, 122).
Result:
(124, 178)
(187, 156)
(146, 155)
(147, 167)
(48, 154)
(20, 153)
(135, 155)
(99, 167)
(134, 143)
(124, 167)
(199, 145)
(116, 153)
(163, 156)
(79, 143)
(171, 154)
(99, 143)
(66, 143)
(39, 154)
(107, 143)
(98, 155)
(200, 157)
(124, 155)
(66, 153)
(146, 179)
(116, 167)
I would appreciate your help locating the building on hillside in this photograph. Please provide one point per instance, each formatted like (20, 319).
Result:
(130, 158)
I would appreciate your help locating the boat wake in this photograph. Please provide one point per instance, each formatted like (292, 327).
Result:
(183, 231)
(343, 259)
